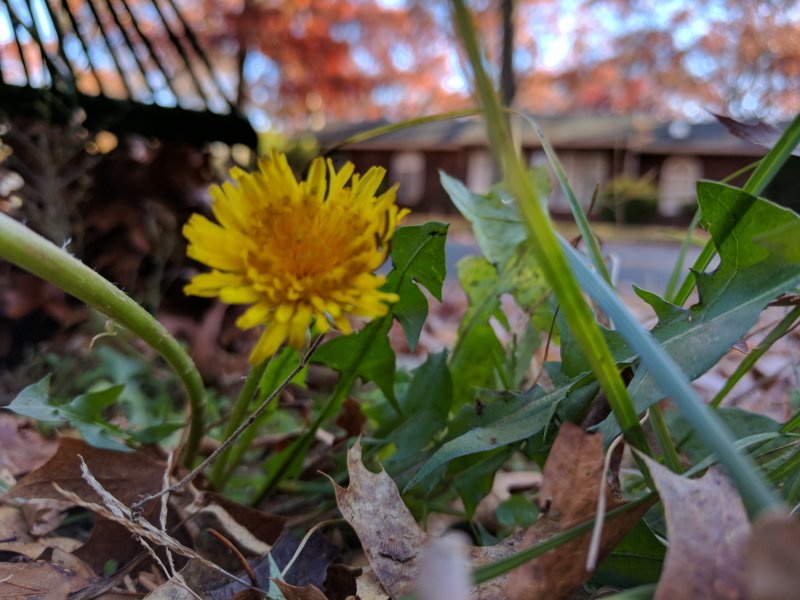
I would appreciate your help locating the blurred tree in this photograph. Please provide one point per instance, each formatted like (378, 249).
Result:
(306, 62)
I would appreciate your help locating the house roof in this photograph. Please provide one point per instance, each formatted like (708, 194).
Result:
(579, 131)
(132, 67)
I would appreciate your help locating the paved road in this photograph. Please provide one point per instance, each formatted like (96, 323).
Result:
(647, 265)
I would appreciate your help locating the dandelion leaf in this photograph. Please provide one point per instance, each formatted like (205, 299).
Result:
(732, 296)
(418, 259)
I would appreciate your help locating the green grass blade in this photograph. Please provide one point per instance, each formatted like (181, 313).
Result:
(578, 214)
(756, 493)
(544, 243)
(777, 332)
(363, 136)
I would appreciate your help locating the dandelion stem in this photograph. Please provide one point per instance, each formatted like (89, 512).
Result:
(30, 251)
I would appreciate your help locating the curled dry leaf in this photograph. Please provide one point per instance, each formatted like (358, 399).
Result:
(773, 558)
(570, 489)
(392, 540)
(708, 532)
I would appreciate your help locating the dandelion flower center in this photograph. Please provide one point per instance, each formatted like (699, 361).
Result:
(297, 252)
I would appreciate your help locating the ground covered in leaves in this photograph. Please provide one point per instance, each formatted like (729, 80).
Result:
(67, 531)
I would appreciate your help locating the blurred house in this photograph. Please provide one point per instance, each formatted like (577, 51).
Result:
(593, 150)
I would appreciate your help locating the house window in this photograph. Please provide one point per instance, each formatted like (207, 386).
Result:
(408, 169)
(480, 171)
(677, 183)
(584, 170)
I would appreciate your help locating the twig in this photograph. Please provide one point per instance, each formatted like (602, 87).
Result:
(233, 437)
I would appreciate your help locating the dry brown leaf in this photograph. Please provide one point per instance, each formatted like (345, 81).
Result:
(773, 558)
(126, 475)
(26, 579)
(368, 587)
(294, 592)
(708, 532)
(22, 448)
(570, 489)
(391, 538)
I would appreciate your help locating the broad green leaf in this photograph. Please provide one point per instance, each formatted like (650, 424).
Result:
(83, 412)
(425, 407)
(366, 353)
(516, 511)
(478, 353)
(783, 242)
(494, 218)
(636, 560)
(475, 477)
(34, 402)
(418, 258)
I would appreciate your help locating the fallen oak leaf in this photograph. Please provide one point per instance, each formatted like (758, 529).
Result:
(570, 487)
(390, 537)
(708, 531)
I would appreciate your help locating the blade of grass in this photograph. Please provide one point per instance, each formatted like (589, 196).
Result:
(757, 495)
(504, 565)
(777, 332)
(374, 132)
(545, 244)
(674, 276)
(766, 170)
(578, 213)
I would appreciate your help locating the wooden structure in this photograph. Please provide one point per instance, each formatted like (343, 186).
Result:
(131, 67)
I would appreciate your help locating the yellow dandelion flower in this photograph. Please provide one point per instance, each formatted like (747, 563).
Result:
(297, 252)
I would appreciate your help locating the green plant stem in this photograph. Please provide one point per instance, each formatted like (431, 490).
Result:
(665, 439)
(334, 403)
(674, 276)
(777, 332)
(545, 244)
(758, 181)
(236, 417)
(30, 251)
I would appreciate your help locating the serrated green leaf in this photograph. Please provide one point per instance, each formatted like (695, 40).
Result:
(366, 353)
(418, 257)
(731, 297)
